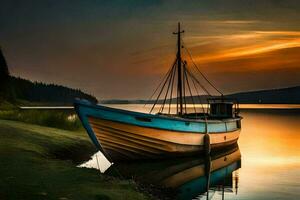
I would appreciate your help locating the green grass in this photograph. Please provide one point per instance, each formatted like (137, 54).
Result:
(63, 119)
(40, 163)
(5, 105)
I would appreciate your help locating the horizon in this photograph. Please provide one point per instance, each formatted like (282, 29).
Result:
(121, 50)
(238, 92)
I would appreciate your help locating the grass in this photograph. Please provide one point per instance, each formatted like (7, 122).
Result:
(40, 163)
(63, 119)
(5, 105)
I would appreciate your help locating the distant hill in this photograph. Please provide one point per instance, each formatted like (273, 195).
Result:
(274, 96)
(13, 89)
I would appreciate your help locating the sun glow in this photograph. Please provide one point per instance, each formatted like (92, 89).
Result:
(236, 47)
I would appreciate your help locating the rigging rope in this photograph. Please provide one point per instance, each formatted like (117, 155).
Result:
(162, 80)
(187, 81)
(163, 104)
(188, 52)
(168, 75)
(198, 94)
(169, 79)
(171, 96)
(197, 81)
(184, 97)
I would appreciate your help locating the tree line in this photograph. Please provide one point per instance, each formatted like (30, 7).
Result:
(13, 88)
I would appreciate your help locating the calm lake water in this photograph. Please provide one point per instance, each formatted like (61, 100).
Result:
(265, 165)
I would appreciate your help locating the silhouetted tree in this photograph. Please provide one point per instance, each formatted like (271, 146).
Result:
(5, 87)
(47, 93)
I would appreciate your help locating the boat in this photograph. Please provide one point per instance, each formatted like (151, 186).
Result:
(187, 177)
(171, 128)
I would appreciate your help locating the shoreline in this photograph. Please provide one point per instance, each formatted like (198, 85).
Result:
(40, 162)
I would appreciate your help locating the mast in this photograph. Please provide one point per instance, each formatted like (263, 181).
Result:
(179, 71)
(183, 77)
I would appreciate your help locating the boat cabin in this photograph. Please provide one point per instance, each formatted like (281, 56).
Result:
(221, 110)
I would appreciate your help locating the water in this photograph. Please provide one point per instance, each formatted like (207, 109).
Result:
(269, 146)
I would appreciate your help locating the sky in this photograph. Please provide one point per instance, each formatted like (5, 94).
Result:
(122, 49)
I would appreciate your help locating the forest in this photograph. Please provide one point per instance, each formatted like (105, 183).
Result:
(14, 89)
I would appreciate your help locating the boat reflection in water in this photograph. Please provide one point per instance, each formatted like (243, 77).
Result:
(187, 178)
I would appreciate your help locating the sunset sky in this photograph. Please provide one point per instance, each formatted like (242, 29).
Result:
(121, 49)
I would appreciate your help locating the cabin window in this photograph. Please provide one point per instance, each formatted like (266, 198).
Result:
(143, 119)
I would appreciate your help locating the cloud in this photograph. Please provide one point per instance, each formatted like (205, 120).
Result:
(252, 43)
(231, 22)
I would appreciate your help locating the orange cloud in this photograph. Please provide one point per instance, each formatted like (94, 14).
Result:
(279, 59)
(230, 47)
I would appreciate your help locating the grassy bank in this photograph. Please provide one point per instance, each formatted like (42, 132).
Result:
(5, 105)
(40, 163)
(62, 119)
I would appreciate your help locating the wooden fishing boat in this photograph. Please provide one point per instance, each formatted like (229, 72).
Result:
(122, 134)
